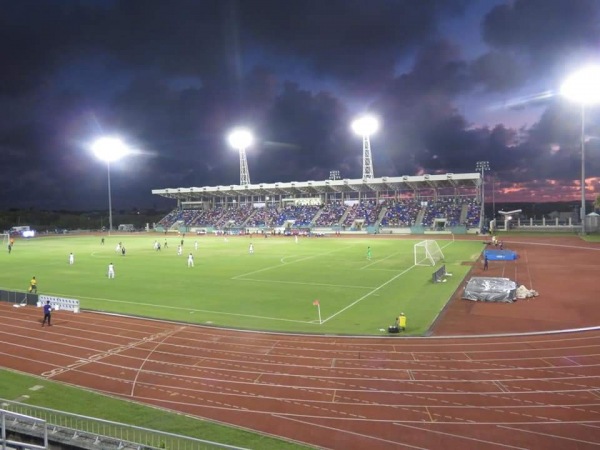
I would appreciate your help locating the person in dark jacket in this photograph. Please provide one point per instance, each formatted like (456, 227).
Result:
(47, 314)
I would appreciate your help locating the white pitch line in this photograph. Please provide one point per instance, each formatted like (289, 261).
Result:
(264, 269)
(196, 310)
(368, 294)
(379, 260)
(304, 283)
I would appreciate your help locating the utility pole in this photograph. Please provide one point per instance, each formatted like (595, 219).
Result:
(482, 166)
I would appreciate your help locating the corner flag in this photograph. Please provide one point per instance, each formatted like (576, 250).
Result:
(318, 305)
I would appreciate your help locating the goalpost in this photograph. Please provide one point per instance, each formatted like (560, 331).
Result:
(427, 253)
(5, 239)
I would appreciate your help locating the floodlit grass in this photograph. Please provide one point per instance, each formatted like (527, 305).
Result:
(272, 289)
(15, 387)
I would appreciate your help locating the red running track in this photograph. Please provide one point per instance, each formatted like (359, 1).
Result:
(535, 392)
(506, 392)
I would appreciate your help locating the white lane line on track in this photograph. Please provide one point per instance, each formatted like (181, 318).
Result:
(458, 436)
(98, 357)
(576, 247)
(553, 436)
(351, 433)
(161, 340)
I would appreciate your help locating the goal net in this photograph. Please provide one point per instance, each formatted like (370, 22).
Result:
(427, 253)
(5, 239)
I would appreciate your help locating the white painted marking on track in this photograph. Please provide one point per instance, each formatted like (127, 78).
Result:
(163, 337)
(553, 436)
(351, 433)
(428, 431)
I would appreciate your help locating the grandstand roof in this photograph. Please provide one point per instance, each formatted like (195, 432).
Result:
(311, 188)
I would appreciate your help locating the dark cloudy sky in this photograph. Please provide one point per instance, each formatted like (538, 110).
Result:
(453, 81)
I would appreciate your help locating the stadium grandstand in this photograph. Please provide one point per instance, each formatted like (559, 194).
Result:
(441, 203)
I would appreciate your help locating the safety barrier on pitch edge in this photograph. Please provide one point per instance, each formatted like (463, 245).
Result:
(68, 304)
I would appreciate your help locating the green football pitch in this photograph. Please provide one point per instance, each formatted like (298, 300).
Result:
(276, 288)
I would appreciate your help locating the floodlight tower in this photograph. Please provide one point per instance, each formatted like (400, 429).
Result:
(583, 87)
(365, 126)
(109, 149)
(240, 139)
(482, 166)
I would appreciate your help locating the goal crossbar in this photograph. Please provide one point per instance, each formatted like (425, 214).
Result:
(427, 253)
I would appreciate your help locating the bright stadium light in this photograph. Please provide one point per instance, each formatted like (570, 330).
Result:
(240, 139)
(109, 149)
(583, 87)
(365, 126)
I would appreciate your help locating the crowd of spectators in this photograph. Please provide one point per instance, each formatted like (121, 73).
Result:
(398, 213)
(231, 217)
(367, 209)
(473, 214)
(331, 214)
(449, 208)
(401, 213)
(302, 215)
(263, 217)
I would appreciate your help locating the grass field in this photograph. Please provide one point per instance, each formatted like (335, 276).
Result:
(272, 289)
(38, 392)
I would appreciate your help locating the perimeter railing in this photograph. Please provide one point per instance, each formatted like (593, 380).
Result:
(93, 433)
(15, 424)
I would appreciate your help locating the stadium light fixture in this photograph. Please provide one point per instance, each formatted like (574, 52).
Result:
(365, 126)
(109, 149)
(583, 87)
(240, 139)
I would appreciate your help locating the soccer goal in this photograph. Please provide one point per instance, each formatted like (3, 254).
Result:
(5, 239)
(427, 253)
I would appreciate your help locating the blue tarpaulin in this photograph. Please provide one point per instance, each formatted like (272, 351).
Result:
(500, 255)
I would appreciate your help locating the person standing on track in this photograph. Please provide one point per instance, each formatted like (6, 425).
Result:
(485, 262)
(47, 314)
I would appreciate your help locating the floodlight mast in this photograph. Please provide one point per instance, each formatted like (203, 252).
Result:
(583, 87)
(365, 127)
(109, 149)
(240, 139)
(482, 166)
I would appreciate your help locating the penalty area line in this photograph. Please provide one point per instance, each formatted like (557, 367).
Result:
(368, 294)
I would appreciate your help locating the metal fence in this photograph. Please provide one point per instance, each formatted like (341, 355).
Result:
(89, 432)
(19, 424)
